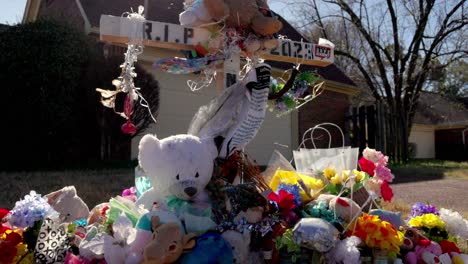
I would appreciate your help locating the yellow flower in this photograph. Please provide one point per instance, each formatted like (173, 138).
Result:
(427, 220)
(359, 175)
(335, 180)
(329, 173)
(291, 177)
(345, 175)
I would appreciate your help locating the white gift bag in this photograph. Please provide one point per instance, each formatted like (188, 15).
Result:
(309, 161)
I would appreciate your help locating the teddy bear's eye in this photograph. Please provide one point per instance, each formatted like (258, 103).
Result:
(177, 177)
(197, 175)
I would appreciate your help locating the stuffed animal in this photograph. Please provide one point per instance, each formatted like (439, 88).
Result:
(195, 14)
(240, 244)
(245, 14)
(343, 207)
(178, 167)
(145, 231)
(210, 248)
(70, 206)
(426, 251)
(168, 244)
(391, 217)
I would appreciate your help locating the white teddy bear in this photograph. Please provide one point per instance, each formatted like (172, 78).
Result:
(178, 166)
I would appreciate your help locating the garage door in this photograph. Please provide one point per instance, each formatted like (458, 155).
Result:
(178, 105)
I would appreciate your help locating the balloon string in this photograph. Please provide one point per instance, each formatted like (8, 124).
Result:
(144, 103)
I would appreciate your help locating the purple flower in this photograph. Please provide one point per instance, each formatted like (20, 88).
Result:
(31, 209)
(420, 208)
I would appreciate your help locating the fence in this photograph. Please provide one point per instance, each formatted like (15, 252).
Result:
(371, 126)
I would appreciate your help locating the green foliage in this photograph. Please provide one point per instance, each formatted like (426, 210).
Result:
(40, 68)
(287, 243)
(51, 112)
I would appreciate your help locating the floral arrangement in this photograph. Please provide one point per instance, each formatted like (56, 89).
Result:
(378, 234)
(420, 208)
(296, 208)
(295, 96)
(349, 181)
(438, 225)
(374, 163)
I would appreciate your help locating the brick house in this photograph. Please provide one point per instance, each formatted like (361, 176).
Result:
(440, 128)
(178, 104)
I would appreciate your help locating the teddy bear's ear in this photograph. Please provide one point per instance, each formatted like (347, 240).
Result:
(189, 242)
(210, 146)
(149, 150)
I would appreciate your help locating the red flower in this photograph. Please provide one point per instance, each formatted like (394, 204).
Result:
(367, 166)
(3, 213)
(449, 247)
(7, 252)
(284, 200)
(386, 191)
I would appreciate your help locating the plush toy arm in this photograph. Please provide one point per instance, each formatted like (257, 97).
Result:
(217, 9)
(148, 198)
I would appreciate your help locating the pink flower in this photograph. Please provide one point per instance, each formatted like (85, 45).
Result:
(130, 194)
(387, 192)
(367, 166)
(384, 173)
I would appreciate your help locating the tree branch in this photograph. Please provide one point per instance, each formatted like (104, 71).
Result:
(362, 70)
(373, 45)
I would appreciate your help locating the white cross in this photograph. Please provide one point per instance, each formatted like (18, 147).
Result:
(171, 36)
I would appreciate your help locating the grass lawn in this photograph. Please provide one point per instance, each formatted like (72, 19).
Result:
(417, 170)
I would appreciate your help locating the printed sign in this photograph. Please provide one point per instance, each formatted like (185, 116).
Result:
(172, 36)
(254, 108)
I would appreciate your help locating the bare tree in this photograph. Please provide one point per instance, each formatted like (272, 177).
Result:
(394, 46)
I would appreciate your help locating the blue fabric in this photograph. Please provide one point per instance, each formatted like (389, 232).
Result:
(211, 248)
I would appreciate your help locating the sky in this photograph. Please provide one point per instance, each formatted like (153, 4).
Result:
(11, 11)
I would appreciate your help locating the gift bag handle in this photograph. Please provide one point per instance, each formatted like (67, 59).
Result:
(320, 126)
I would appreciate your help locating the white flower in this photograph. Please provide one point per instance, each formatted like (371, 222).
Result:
(117, 247)
(454, 223)
(371, 154)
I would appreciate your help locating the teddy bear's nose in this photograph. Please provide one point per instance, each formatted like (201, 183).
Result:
(190, 191)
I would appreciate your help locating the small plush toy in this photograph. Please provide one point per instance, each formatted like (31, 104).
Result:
(179, 168)
(391, 217)
(342, 207)
(145, 231)
(241, 14)
(195, 14)
(210, 248)
(70, 206)
(425, 251)
(168, 244)
(240, 244)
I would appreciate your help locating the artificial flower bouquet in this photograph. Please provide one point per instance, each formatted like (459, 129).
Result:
(298, 220)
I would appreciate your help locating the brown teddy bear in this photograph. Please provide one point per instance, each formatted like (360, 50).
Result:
(244, 14)
(168, 244)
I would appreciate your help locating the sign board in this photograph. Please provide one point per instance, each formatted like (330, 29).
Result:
(172, 36)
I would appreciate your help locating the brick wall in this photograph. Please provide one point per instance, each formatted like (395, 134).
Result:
(328, 107)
